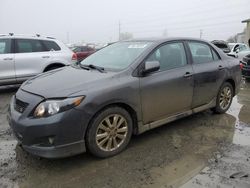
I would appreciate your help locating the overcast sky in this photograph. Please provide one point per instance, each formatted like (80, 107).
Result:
(98, 20)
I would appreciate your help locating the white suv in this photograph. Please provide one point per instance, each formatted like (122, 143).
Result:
(24, 57)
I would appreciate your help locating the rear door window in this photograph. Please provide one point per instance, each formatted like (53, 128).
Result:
(201, 53)
(28, 46)
(5, 46)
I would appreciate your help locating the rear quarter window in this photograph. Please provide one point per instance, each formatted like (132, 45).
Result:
(51, 45)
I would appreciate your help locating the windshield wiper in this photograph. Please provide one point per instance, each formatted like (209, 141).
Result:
(100, 69)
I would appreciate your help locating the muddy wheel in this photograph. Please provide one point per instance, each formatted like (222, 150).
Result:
(109, 133)
(224, 98)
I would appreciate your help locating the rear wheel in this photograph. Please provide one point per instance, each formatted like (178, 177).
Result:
(224, 98)
(109, 132)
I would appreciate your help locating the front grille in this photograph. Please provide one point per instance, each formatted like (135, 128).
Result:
(20, 106)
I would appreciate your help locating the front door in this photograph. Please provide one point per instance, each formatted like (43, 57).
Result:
(168, 91)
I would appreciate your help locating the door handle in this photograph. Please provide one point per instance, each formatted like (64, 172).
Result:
(8, 59)
(188, 74)
(46, 56)
(220, 67)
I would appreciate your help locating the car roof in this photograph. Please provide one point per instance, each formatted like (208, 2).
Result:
(21, 36)
(160, 40)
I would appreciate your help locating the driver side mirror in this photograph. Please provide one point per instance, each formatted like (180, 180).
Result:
(150, 66)
(237, 50)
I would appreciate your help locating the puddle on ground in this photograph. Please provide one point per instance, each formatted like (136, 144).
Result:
(241, 111)
(237, 156)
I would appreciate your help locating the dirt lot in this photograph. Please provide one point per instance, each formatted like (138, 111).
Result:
(203, 150)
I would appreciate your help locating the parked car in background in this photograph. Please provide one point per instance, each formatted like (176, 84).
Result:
(222, 45)
(245, 66)
(22, 57)
(82, 52)
(126, 88)
(238, 50)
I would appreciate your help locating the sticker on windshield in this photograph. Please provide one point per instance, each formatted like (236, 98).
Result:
(137, 45)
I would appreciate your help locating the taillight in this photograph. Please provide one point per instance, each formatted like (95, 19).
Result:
(241, 66)
(74, 56)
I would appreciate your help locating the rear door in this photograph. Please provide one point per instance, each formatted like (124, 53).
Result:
(209, 72)
(7, 66)
(30, 58)
(168, 91)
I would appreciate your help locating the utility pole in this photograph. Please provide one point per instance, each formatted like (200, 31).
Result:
(119, 37)
(201, 32)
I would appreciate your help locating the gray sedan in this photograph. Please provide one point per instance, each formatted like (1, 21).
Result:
(126, 88)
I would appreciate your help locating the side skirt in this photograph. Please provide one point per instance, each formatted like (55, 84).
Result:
(145, 127)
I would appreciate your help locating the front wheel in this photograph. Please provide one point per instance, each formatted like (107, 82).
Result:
(224, 98)
(109, 132)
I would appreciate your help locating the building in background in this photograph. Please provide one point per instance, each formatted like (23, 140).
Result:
(247, 32)
(240, 37)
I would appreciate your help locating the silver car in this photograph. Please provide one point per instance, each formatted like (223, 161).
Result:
(23, 57)
(239, 50)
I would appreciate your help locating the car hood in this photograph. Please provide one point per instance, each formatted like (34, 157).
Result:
(64, 82)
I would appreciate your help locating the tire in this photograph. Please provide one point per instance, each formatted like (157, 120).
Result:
(225, 94)
(105, 137)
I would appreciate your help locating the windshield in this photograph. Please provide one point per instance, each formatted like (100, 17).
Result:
(117, 56)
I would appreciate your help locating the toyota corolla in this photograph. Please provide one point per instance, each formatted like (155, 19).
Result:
(126, 88)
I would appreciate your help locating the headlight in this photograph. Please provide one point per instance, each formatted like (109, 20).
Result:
(51, 107)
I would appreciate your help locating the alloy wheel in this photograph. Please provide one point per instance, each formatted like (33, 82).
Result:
(225, 97)
(111, 132)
